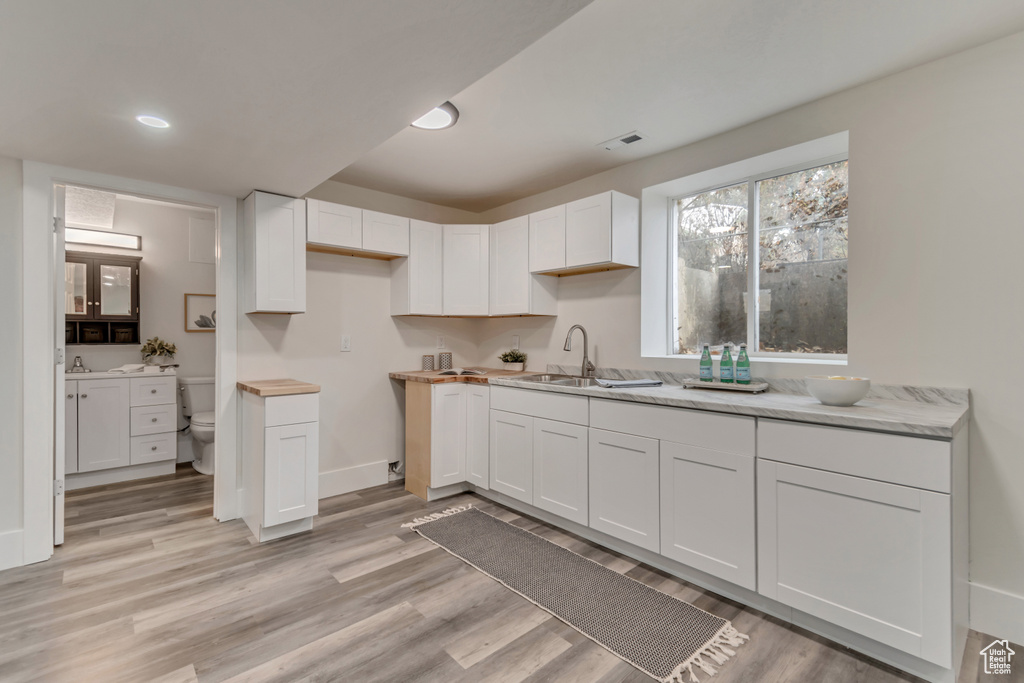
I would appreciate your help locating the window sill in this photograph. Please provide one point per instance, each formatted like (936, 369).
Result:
(783, 359)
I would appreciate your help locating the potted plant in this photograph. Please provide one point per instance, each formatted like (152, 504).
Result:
(155, 351)
(514, 359)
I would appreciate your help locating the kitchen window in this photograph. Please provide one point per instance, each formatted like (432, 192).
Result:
(756, 253)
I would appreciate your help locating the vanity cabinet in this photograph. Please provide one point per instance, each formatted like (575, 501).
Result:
(465, 265)
(514, 290)
(417, 281)
(101, 298)
(587, 235)
(274, 263)
(339, 229)
(103, 417)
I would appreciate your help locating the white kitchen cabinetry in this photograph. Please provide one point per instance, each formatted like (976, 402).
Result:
(596, 233)
(274, 264)
(560, 469)
(448, 435)
(416, 281)
(333, 225)
(514, 290)
(478, 443)
(466, 261)
(624, 487)
(280, 444)
(512, 455)
(385, 234)
(103, 419)
(707, 511)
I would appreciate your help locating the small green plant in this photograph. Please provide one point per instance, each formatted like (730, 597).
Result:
(513, 356)
(158, 347)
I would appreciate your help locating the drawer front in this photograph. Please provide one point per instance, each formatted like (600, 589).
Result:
(153, 391)
(726, 433)
(905, 460)
(292, 410)
(154, 448)
(544, 404)
(154, 419)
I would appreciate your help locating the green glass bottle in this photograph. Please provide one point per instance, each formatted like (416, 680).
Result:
(743, 366)
(706, 367)
(725, 367)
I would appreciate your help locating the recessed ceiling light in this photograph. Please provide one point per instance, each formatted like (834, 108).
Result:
(438, 118)
(153, 121)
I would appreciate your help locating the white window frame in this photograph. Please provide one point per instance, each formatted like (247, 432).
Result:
(659, 244)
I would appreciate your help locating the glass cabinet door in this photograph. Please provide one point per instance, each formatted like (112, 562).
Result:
(76, 290)
(115, 290)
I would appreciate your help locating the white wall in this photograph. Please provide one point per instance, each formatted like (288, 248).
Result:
(935, 245)
(10, 356)
(166, 274)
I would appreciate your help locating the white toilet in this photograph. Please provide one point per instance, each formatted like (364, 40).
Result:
(197, 405)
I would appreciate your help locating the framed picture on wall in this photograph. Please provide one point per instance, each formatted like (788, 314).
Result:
(200, 312)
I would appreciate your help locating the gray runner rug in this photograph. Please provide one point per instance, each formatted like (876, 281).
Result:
(662, 636)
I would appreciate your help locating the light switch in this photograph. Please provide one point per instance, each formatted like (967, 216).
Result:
(346, 342)
(440, 341)
(515, 341)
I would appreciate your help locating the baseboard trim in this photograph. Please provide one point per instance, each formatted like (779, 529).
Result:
(12, 549)
(997, 613)
(348, 479)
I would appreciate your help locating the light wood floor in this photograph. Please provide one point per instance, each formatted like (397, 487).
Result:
(148, 587)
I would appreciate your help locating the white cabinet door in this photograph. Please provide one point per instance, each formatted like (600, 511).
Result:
(385, 233)
(707, 511)
(333, 224)
(588, 230)
(103, 424)
(291, 457)
(512, 455)
(547, 239)
(560, 469)
(865, 555)
(466, 260)
(70, 427)
(478, 443)
(510, 267)
(624, 487)
(447, 434)
(416, 281)
(275, 254)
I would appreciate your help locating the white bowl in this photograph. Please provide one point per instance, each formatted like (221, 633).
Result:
(836, 390)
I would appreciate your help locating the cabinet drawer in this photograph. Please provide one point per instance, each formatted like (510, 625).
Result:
(154, 419)
(906, 460)
(726, 433)
(545, 404)
(292, 410)
(153, 391)
(154, 447)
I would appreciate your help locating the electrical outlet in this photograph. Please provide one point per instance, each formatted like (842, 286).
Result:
(515, 341)
(440, 341)
(346, 342)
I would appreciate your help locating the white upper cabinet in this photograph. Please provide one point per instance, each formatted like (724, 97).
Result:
(275, 254)
(466, 263)
(514, 290)
(596, 233)
(385, 234)
(333, 224)
(547, 239)
(416, 281)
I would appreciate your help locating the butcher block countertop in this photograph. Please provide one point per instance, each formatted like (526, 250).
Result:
(279, 387)
(435, 376)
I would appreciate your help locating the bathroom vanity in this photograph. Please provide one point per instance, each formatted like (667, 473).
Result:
(281, 456)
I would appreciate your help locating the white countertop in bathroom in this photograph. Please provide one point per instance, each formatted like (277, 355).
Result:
(149, 371)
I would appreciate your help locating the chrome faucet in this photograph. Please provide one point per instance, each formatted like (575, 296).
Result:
(588, 367)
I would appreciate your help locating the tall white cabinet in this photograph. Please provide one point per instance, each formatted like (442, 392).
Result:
(274, 264)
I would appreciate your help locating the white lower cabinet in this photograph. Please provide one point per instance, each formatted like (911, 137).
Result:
(70, 427)
(447, 435)
(512, 455)
(103, 424)
(866, 555)
(624, 487)
(560, 469)
(478, 445)
(707, 511)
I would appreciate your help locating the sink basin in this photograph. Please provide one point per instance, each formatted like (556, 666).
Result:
(561, 380)
(544, 379)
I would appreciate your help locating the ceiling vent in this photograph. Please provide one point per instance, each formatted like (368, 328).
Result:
(623, 140)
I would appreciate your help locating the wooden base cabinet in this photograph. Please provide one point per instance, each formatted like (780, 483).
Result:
(624, 487)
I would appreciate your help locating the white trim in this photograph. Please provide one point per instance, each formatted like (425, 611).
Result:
(348, 479)
(38, 339)
(11, 548)
(657, 236)
(997, 613)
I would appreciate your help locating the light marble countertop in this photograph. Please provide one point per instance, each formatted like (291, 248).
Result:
(916, 418)
(150, 371)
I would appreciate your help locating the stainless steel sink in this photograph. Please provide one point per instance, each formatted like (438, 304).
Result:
(544, 379)
(561, 380)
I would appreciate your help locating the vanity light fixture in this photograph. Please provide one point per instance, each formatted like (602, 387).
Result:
(152, 121)
(103, 238)
(438, 118)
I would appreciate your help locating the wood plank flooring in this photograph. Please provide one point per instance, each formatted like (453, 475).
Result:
(148, 587)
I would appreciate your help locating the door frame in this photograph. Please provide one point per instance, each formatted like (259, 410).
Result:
(38, 395)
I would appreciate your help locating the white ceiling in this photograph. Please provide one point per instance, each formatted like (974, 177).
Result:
(677, 70)
(260, 93)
